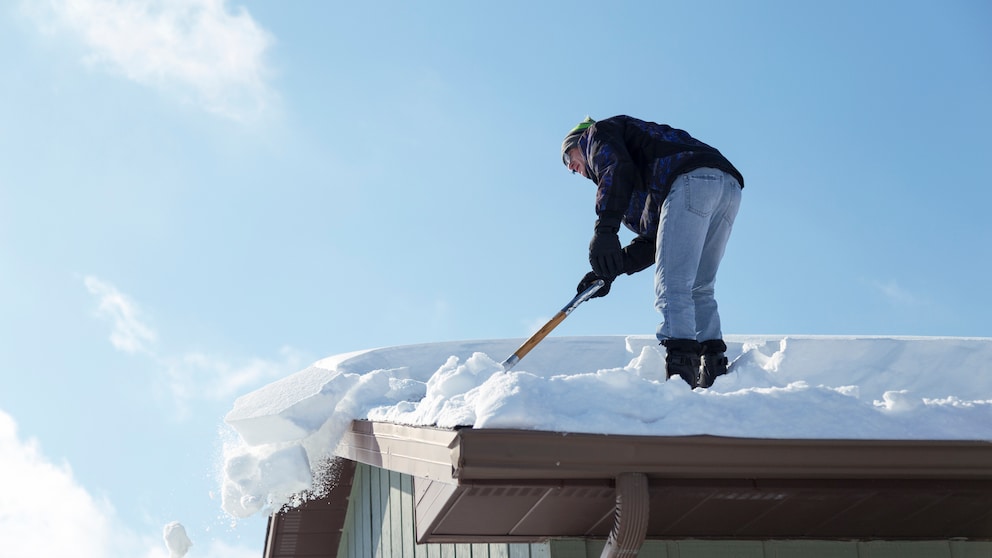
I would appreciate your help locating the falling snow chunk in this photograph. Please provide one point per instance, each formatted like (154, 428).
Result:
(176, 540)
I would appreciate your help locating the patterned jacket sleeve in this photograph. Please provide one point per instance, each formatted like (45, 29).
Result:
(638, 255)
(613, 171)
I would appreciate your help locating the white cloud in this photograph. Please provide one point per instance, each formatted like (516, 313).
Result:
(200, 376)
(220, 549)
(44, 511)
(197, 49)
(130, 334)
(192, 375)
(897, 294)
(222, 380)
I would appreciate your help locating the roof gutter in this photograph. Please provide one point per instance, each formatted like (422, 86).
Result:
(505, 454)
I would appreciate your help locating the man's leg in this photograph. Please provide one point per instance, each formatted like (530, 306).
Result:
(682, 234)
(713, 361)
(714, 246)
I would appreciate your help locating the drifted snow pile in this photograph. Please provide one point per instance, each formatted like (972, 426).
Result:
(781, 387)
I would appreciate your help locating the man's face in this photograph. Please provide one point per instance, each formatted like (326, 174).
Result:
(576, 161)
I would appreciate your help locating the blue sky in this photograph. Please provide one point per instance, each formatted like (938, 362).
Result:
(198, 197)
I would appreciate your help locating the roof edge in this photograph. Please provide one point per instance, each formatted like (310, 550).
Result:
(512, 454)
(492, 454)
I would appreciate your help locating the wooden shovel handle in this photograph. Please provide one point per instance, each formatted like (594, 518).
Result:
(552, 323)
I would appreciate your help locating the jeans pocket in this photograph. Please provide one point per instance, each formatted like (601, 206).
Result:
(702, 193)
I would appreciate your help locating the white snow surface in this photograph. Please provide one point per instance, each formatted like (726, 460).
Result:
(804, 387)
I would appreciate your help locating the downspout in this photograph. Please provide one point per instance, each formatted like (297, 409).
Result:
(631, 521)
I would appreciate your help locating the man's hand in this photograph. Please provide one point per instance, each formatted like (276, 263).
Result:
(605, 253)
(591, 278)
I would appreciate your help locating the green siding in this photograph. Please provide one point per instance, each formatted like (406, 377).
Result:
(928, 549)
(579, 548)
(811, 549)
(380, 524)
(966, 549)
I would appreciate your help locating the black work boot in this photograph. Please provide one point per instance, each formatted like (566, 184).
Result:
(714, 362)
(682, 359)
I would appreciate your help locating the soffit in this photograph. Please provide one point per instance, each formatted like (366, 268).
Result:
(516, 485)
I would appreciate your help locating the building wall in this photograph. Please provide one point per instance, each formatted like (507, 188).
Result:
(577, 548)
(380, 524)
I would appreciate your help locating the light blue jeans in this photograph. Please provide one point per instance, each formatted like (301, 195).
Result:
(696, 220)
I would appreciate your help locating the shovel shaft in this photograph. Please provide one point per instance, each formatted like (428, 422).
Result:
(552, 323)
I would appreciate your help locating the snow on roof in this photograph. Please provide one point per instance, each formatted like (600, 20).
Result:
(802, 387)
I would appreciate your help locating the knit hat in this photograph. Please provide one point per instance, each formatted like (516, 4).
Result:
(572, 139)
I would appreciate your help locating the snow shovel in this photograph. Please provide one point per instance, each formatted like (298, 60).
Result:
(552, 323)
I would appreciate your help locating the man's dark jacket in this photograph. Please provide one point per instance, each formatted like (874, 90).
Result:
(634, 163)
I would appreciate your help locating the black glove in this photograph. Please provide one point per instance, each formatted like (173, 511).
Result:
(605, 253)
(591, 278)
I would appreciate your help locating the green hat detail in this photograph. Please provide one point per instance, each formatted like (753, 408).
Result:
(572, 139)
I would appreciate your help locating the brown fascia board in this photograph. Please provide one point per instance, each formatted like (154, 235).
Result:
(466, 454)
(423, 452)
(521, 485)
(483, 454)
